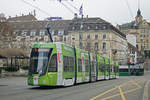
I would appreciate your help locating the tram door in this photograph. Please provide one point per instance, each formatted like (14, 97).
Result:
(93, 68)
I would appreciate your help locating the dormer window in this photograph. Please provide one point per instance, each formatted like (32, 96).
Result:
(96, 27)
(60, 32)
(88, 27)
(73, 28)
(104, 27)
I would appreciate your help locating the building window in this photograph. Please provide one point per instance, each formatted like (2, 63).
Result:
(96, 37)
(88, 37)
(65, 39)
(42, 32)
(61, 32)
(73, 37)
(73, 28)
(104, 46)
(96, 46)
(53, 31)
(147, 41)
(88, 46)
(33, 32)
(104, 36)
(16, 32)
(89, 27)
(104, 27)
(24, 32)
(80, 45)
(80, 37)
(97, 27)
(141, 40)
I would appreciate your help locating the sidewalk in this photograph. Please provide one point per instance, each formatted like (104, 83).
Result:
(146, 94)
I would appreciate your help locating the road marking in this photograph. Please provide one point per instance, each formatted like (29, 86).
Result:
(106, 98)
(136, 84)
(103, 93)
(121, 93)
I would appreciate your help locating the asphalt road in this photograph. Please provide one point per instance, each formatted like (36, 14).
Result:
(124, 88)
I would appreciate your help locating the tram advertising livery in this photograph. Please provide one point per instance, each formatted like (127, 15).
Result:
(58, 64)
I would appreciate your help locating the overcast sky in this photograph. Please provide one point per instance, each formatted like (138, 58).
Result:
(113, 11)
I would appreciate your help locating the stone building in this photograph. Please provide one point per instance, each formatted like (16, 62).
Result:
(28, 31)
(98, 36)
(141, 29)
(92, 34)
(6, 35)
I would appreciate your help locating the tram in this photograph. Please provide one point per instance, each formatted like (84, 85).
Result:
(58, 64)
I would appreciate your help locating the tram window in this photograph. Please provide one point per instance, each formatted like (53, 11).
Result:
(65, 63)
(107, 68)
(79, 65)
(68, 64)
(101, 67)
(71, 64)
(52, 67)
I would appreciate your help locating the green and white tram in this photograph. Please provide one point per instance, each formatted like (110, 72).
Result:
(58, 64)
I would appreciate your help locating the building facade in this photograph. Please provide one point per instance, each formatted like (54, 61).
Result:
(98, 36)
(92, 34)
(141, 29)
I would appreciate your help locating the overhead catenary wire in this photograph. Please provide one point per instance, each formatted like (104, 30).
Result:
(67, 7)
(36, 7)
(73, 6)
(129, 8)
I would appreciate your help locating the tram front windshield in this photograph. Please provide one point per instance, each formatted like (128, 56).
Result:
(39, 60)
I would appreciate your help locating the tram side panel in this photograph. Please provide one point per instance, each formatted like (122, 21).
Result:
(93, 67)
(107, 69)
(100, 68)
(83, 66)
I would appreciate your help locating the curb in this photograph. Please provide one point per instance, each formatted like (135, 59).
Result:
(146, 88)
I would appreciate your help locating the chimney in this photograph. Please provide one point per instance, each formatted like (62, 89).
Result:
(87, 16)
(34, 12)
(75, 16)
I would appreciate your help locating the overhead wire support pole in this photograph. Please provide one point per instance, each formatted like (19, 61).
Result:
(81, 25)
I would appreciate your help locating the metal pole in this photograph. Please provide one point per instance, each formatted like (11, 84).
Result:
(50, 35)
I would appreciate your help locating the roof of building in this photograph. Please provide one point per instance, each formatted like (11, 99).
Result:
(65, 25)
(133, 24)
(22, 18)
